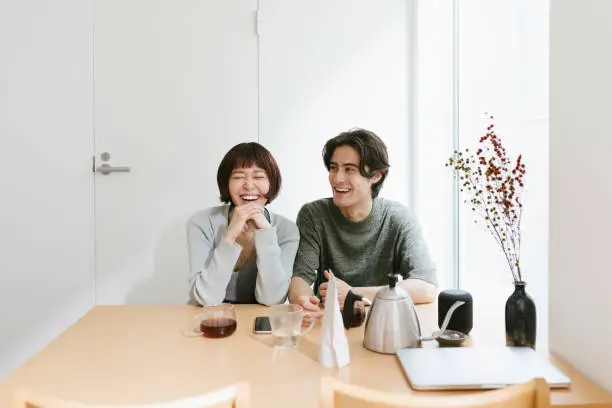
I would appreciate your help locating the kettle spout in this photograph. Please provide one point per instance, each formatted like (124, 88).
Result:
(446, 321)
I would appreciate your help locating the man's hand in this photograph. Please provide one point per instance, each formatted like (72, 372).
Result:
(342, 287)
(310, 304)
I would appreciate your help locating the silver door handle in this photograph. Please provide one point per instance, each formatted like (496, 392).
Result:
(107, 169)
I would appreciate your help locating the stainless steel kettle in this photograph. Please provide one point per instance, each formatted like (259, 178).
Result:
(393, 323)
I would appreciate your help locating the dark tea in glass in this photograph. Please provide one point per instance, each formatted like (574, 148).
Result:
(214, 322)
(217, 327)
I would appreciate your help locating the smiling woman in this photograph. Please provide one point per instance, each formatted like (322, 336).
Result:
(240, 252)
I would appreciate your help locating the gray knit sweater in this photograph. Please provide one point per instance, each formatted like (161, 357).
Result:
(211, 261)
(388, 240)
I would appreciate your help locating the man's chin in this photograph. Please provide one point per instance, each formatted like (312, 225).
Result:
(340, 201)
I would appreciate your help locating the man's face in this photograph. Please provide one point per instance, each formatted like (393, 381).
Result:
(351, 190)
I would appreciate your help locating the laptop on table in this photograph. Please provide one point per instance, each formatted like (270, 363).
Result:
(464, 368)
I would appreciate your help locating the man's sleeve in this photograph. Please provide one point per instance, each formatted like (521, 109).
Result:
(414, 259)
(307, 257)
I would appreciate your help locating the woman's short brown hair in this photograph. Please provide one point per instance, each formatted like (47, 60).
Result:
(245, 155)
(372, 151)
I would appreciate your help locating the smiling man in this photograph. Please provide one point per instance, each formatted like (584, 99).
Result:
(357, 235)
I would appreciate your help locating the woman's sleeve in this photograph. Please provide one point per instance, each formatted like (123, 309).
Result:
(210, 267)
(276, 248)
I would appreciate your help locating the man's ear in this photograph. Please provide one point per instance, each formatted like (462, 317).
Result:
(376, 177)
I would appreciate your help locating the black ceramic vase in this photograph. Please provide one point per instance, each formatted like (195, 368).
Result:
(520, 318)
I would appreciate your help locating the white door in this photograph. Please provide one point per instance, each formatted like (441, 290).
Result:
(46, 139)
(180, 82)
(175, 88)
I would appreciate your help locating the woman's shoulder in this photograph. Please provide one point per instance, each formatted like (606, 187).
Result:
(213, 216)
(283, 224)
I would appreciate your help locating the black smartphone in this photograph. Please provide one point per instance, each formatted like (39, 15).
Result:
(262, 325)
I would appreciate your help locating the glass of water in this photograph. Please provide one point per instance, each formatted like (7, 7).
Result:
(286, 322)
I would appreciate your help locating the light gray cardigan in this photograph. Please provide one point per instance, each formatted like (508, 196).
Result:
(265, 279)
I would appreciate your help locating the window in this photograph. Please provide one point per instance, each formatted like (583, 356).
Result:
(473, 57)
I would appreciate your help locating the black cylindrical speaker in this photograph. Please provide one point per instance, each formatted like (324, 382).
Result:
(462, 317)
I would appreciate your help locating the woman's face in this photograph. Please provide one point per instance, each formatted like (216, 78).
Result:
(248, 185)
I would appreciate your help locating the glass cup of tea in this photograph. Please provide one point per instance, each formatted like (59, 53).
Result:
(214, 322)
(287, 324)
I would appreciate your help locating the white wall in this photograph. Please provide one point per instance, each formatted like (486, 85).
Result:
(326, 67)
(46, 252)
(581, 186)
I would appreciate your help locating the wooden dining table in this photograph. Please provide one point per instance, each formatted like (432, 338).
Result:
(138, 354)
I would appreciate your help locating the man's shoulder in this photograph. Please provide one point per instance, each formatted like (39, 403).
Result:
(318, 207)
(396, 212)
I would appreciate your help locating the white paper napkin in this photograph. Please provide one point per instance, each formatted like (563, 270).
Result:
(333, 347)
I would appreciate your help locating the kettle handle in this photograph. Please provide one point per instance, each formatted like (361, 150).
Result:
(347, 308)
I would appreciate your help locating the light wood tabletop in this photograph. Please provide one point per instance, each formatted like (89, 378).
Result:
(136, 354)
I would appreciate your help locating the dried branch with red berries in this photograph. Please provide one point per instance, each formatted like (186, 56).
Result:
(493, 184)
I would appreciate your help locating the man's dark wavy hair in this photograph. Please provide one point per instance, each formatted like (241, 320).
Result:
(372, 151)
